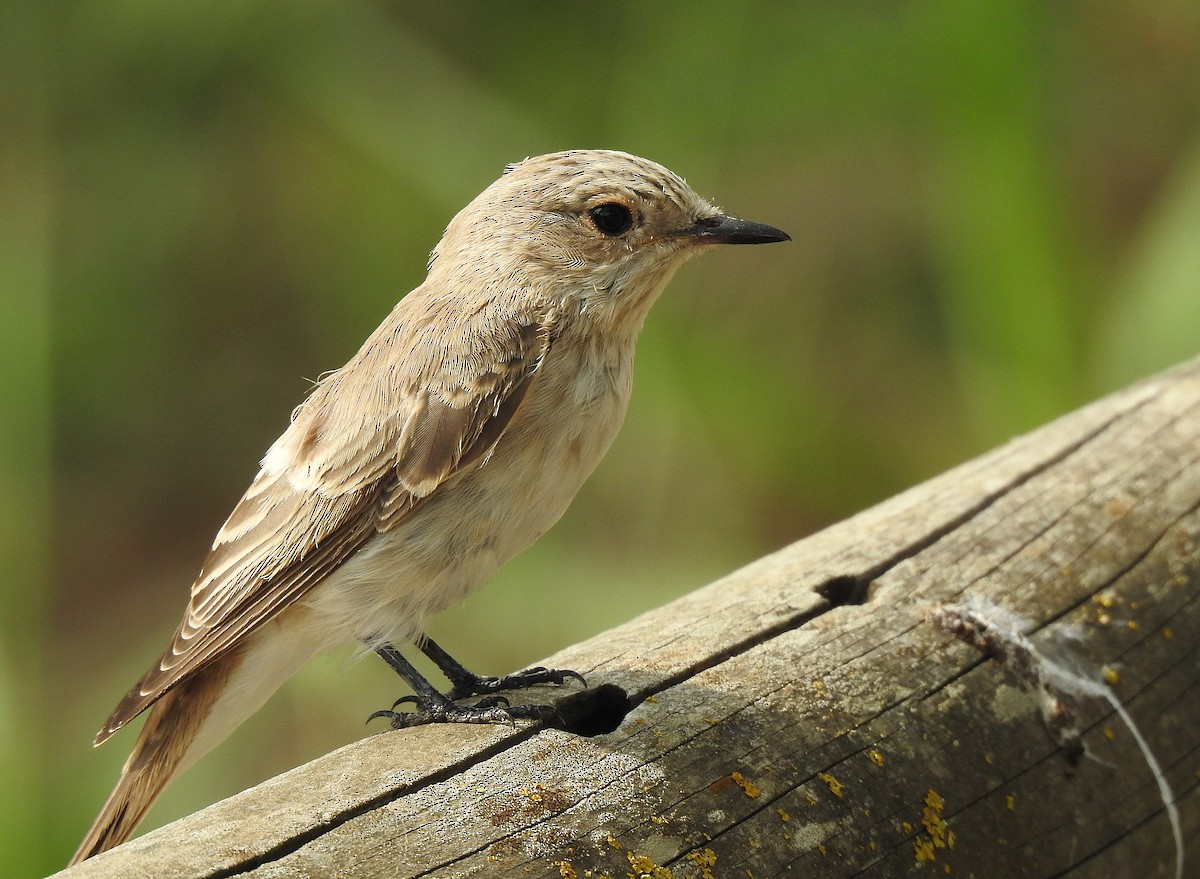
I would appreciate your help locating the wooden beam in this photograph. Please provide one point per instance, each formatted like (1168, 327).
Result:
(996, 673)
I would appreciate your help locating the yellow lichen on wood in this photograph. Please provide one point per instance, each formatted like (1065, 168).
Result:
(937, 834)
(835, 787)
(931, 818)
(746, 785)
(705, 860)
(644, 868)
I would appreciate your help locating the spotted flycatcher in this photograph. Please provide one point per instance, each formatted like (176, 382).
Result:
(454, 438)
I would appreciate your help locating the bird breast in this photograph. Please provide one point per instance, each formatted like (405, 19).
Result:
(458, 536)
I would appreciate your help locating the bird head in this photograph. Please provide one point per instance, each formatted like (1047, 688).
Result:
(600, 230)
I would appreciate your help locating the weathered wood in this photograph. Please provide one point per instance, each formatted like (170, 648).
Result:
(779, 727)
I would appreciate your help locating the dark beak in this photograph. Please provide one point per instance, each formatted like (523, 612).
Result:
(730, 230)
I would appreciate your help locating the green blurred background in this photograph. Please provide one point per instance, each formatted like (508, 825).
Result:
(996, 214)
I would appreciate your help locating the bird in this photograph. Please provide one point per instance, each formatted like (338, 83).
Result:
(453, 439)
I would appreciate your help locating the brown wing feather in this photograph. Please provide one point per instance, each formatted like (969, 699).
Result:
(354, 464)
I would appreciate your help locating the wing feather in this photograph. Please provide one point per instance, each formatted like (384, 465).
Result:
(358, 457)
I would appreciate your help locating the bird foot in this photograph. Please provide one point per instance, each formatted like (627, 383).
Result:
(471, 684)
(493, 709)
(431, 706)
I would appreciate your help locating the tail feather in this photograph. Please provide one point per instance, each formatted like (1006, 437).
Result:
(157, 756)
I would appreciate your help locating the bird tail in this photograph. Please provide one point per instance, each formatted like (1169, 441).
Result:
(158, 755)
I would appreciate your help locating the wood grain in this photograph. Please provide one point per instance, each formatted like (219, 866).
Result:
(808, 715)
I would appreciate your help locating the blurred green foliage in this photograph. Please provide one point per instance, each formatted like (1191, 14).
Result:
(995, 208)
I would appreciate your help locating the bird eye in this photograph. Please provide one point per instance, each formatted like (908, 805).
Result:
(611, 218)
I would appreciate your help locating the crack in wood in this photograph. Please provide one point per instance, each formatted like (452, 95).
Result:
(955, 523)
(321, 828)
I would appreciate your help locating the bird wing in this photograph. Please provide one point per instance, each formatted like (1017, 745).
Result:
(349, 466)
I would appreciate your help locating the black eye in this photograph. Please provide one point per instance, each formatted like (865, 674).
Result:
(611, 218)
